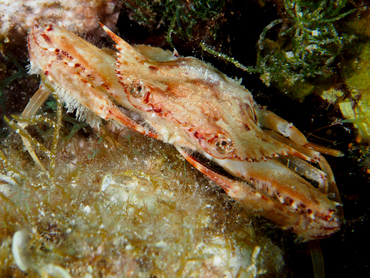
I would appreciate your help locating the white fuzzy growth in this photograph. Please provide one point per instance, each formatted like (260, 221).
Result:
(52, 270)
(33, 69)
(284, 127)
(82, 112)
(107, 180)
(20, 251)
(8, 179)
(86, 209)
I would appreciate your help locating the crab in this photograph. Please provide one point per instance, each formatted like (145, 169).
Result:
(207, 116)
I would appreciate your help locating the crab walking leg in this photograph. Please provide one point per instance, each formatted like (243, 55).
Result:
(31, 109)
(272, 121)
(307, 170)
(35, 103)
(333, 189)
(325, 178)
(303, 152)
(326, 184)
(324, 150)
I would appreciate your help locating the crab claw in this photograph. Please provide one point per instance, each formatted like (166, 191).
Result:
(310, 214)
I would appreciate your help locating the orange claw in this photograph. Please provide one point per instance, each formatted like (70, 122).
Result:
(307, 225)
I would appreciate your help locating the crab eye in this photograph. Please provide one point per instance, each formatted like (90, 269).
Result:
(224, 145)
(138, 89)
(221, 145)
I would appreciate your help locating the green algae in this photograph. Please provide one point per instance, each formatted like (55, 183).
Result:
(308, 42)
(355, 101)
(184, 20)
(299, 60)
(134, 209)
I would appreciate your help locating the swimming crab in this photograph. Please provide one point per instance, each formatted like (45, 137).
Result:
(209, 118)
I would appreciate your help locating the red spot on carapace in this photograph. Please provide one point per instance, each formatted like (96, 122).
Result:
(197, 135)
(247, 126)
(67, 55)
(46, 38)
(157, 109)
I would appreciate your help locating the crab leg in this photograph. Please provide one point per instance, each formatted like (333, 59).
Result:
(35, 103)
(271, 121)
(244, 193)
(306, 222)
(333, 189)
(307, 170)
(31, 109)
(325, 178)
(96, 100)
(327, 183)
(324, 150)
(90, 85)
(87, 78)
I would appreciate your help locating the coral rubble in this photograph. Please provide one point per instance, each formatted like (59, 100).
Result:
(81, 16)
